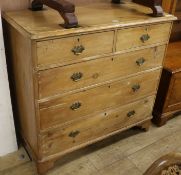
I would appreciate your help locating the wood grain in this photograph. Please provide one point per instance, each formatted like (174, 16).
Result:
(59, 80)
(58, 111)
(61, 50)
(92, 17)
(130, 38)
(49, 113)
(111, 120)
(20, 56)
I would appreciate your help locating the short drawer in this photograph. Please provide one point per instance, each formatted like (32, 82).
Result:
(83, 132)
(67, 78)
(71, 49)
(142, 36)
(71, 107)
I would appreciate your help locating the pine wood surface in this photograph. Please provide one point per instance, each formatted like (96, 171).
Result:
(48, 52)
(92, 17)
(24, 83)
(109, 121)
(45, 114)
(98, 70)
(109, 95)
(130, 38)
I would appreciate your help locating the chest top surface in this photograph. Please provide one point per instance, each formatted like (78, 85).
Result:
(92, 17)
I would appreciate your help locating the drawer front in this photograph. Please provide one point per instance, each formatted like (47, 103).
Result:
(63, 79)
(93, 127)
(142, 36)
(74, 106)
(73, 49)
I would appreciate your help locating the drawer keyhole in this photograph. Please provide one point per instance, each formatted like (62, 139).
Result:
(73, 134)
(136, 87)
(77, 76)
(145, 38)
(140, 61)
(131, 113)
(75, 106)
(77, 50)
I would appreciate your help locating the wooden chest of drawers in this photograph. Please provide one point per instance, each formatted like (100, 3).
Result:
(77, 86)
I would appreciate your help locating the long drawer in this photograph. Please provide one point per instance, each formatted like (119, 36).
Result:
(142, 36)
(63, 79)
(70, 107)
(74, 48)
(93, 127)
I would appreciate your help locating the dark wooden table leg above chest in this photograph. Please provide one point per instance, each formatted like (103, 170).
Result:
(67, 9)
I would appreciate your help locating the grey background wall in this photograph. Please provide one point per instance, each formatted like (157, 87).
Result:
(7, 130)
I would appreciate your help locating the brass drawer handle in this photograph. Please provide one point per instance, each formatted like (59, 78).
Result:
(145, 38)
(77, 50)
(77, 76)
(136, 87)
(73, 134)
(75, 106)
(140, 61)
(131, 113)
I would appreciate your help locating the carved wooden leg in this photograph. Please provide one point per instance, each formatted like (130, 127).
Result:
(44, 167)
(155, 5)
(65, 8)
(145, 126)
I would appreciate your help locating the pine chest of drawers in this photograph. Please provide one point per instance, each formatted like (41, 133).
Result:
(77, 86)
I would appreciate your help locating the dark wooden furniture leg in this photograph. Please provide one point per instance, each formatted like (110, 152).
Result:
(116, 1)
(159, 120)
(155, 5)
(65, 8)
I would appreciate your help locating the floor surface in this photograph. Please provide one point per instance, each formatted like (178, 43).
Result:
(130, 152)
